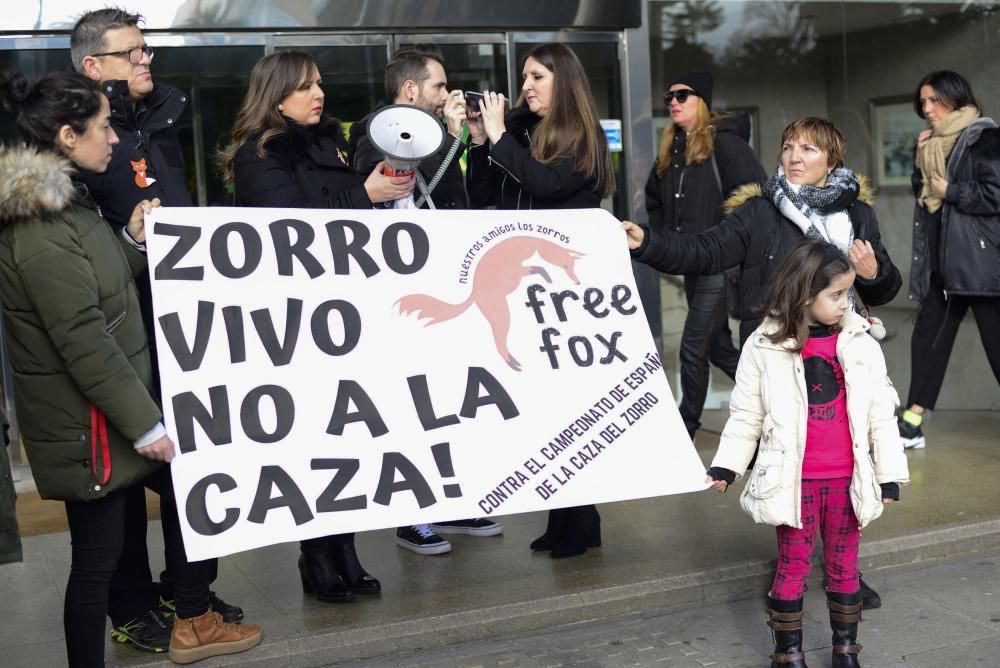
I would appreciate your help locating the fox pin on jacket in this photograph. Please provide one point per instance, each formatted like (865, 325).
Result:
(77, 344)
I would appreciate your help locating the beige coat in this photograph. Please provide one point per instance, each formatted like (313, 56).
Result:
(770, 405)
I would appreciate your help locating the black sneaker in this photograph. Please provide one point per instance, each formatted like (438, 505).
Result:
(231, 614)
(422, 540)
(912, 435)
(150, 632)
(474, 527)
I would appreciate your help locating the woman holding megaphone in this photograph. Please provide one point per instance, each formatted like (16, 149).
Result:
(285, 152)
(548, 152)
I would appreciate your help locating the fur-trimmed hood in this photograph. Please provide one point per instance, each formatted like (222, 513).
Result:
(289, 146)
(33, 183)
(746, 192)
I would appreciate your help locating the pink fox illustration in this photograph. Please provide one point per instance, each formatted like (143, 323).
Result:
(496, 277)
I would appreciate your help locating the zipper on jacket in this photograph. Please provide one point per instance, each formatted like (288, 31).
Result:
(500, 165)
(116, 321)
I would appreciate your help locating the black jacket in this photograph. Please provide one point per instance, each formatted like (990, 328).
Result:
(756, 237)
(965, 231)
(699, 204)
(450, 190)
(146, 131)
(147, 136)
(506, 176)
(302, 168)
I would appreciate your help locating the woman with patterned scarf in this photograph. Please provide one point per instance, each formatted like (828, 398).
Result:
(956, 237)
(811, 195)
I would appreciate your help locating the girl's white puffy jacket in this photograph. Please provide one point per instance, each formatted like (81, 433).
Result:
(770, 404)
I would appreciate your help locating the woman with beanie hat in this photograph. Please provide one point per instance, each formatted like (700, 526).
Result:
(703, 158)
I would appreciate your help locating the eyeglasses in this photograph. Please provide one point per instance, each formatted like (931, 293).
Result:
(681, 95)
(134, 54)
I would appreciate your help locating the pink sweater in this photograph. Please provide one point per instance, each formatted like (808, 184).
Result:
(828, 432)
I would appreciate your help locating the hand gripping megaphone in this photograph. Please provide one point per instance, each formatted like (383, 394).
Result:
(405, 135)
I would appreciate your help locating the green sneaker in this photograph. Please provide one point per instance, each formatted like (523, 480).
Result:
(167, 608)
(150, 632)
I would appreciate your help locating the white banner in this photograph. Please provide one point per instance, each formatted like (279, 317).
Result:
(332, 371)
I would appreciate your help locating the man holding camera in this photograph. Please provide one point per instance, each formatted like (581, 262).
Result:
(415, 76)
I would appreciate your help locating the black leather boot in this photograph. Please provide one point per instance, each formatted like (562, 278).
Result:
(345, 561)
(320, 578)
(583, 530)
(869, 597)
(554, 529)
(845, 613)
(785, 620)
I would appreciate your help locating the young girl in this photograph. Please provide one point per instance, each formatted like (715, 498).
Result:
(812, 390)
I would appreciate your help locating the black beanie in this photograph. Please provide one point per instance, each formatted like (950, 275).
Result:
(701, 82)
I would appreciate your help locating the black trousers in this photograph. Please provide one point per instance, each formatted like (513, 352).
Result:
(706, 338)
(133, 590)
(934, 335)
(98, 533)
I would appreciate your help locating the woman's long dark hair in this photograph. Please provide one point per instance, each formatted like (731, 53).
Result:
(807, 271)
(572, 127)
(951, 88)
(272, 79)
(43, 107)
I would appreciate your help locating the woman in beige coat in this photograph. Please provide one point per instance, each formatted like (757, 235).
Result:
(813, 391)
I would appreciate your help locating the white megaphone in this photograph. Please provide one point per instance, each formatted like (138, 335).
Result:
(404, 135)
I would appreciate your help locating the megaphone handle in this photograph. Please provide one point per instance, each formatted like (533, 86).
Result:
(440, 172)
(425, 193)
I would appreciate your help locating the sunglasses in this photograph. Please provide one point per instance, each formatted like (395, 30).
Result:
(680, 95)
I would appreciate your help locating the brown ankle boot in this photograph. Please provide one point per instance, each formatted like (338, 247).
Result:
(197, 638)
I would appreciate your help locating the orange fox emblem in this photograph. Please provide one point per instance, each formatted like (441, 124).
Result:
(496, 277)
(141, 179)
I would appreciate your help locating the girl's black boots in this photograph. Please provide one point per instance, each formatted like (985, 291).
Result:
(845, 613)
(785, 620)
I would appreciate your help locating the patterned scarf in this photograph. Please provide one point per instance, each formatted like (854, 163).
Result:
(821, 213)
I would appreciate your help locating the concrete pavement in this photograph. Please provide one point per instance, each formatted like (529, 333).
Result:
(947, 614)
(659, 554)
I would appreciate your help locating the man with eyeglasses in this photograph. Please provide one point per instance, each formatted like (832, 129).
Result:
(106, 45)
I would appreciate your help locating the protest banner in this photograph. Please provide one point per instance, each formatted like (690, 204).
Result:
(334, 371)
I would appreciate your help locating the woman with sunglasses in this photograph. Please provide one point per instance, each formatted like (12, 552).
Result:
(703, 158)
(285, 152)
(549, 152)
(82, 378)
